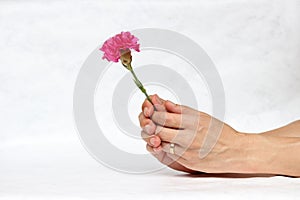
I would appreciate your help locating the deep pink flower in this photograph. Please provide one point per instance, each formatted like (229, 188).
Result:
(113, 46)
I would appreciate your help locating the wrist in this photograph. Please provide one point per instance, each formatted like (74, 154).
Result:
(251, 154)
(244, 158)
(237, 154)
(265, 154)
(257, 155)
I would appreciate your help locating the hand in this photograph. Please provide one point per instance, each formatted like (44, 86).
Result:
(202, 143)
(148, 133)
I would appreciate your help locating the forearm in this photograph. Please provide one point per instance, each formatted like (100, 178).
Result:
(290, 130)
(272, 155)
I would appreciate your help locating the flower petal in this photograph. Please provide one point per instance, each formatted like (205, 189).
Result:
(123, 40)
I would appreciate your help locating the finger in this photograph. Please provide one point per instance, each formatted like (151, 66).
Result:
(157, 100)
(147, 124)
(171, 120)
(178, 150)
(148, 108)
(150, 149)
(157, 155)
(143, 120)
(185, 138)
(177, 121)
(153, 140)
(178, 159)
(179, 109)
(174, 157)
(169, 135)
(158, 103)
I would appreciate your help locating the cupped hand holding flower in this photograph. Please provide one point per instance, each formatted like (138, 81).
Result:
(187, 129)
(272, 152)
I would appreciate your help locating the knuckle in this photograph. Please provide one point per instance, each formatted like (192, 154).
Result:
(159, 131)
(164, 146)
(144, 103)
(149, 148)
(158, 117)
(143, 106)
(144, 122)
(144, 136)
(141, 120)
(169, 119)
(162, 137)
(140, 116)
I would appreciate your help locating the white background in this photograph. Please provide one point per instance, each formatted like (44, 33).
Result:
(255, 46)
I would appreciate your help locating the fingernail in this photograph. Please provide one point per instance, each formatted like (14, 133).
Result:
(152, 141)
(146, 113)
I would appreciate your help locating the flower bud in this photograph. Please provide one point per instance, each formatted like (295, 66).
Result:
(126, 58)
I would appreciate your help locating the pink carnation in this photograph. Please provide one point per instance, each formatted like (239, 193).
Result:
(122, 41)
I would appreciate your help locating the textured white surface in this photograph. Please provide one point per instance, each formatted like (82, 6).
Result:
(64, 170)
(254, 44)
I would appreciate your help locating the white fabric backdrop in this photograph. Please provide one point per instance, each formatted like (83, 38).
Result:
(254, 44)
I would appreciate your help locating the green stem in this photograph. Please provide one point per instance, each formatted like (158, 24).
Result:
(140, 85)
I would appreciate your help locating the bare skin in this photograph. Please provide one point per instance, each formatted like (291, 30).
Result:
(272, 152)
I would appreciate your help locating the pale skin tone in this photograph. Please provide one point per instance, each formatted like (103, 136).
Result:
(226, 150)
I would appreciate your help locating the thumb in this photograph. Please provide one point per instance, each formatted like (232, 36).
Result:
(159, 104)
